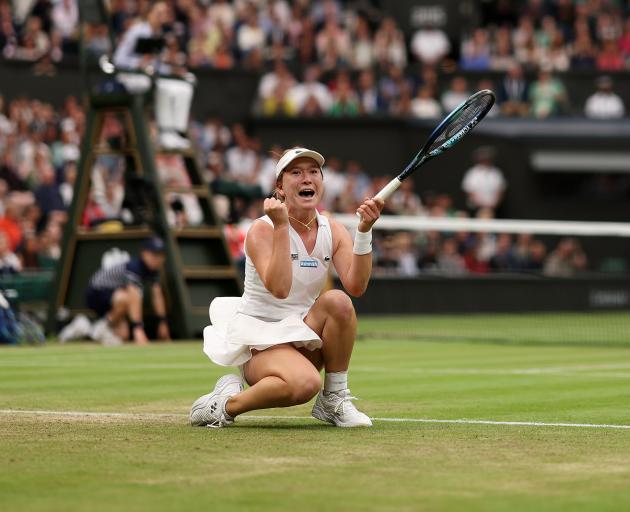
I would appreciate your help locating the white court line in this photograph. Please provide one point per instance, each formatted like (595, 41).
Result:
(78, 414)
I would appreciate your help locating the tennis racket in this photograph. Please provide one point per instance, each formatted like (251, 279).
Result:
(448, 133)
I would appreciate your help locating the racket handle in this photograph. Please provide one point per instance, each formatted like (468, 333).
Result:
(387, 191)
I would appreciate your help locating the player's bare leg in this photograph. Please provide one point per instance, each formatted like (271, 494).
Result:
(334, 319)
(279, 377)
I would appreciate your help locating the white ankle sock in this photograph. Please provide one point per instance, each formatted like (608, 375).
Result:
(227, 415)
(335, 381)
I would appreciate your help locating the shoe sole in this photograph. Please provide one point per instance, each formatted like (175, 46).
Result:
(202, 402)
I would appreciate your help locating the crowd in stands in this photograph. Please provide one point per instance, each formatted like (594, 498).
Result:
(321, 57)
(348, 58)
(40, 150)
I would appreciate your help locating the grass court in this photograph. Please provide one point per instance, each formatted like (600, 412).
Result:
(83, 427)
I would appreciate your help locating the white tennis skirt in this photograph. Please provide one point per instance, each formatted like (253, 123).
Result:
(232, 336)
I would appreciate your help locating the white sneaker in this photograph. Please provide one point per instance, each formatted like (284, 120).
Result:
(79, 329)
(337, 408)
(102, 333)
(210, 409)
(173, 140)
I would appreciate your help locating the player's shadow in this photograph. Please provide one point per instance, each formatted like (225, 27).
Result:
(279, 426)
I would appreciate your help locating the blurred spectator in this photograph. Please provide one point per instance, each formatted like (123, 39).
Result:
(269, 81)
(311, 89)
(250, 37)
(33, 44)
(566, 259)
(334, 182)
(502, 57)
(47, 192)
(424, 105)
(10, 223)
(624, 40)
(402, 105)
(390, 86)
(503, 258)
(430, 45)
(405, 201)
(333, 45)
(429, 250)
(475, 55)
(547, 96)
(389, 45)
(583, 53)
(359, 180)
(604, 104)
(9, 262)
(484, 183)
(456, 94)
(65, 18)
(512, 93)
(241, 160)
(556, 55)
(449, 261)
(280, 102)
(66, 188)
(610, 57)
(367, 93)
(345, 99)
(362, 46)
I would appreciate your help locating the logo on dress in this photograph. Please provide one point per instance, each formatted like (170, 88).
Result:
(294, 257)
(308, 263)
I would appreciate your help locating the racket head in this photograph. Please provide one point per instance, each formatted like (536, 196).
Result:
(452, 128)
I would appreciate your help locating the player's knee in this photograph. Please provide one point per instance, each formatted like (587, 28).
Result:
(305, 387)
(340, 306)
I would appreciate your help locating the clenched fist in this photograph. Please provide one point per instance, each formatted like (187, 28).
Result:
(277, 211)
(369, 211)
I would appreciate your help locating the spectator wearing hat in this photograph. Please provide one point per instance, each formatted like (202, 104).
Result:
(115, 294)
(604, 103)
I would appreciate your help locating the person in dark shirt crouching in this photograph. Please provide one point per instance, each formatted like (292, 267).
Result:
(115, 293)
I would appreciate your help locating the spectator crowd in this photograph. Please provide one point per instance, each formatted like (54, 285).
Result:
(322, 57)
(40, 149)
(348, 58)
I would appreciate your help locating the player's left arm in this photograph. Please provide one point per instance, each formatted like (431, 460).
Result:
(159, 307)
(354, 270)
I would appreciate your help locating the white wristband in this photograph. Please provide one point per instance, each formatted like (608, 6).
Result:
(362, 243)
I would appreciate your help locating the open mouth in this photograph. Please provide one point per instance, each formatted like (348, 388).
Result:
(307, 192)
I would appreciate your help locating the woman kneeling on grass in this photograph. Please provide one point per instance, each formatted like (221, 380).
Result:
(281, 332)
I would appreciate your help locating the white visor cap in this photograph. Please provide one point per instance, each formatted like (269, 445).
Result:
(294, 153)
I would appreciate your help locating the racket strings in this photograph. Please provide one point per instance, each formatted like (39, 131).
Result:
(477, 108)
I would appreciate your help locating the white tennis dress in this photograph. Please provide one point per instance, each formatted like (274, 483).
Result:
(258, 320)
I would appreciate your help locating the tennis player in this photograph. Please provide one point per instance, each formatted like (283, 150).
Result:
(282, 331)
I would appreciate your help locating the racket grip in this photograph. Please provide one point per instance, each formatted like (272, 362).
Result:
(387, 191)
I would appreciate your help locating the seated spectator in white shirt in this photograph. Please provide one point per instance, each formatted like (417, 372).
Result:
(604, 104)
(430, 45)
(241, 159)
(484, 183)
(424, 105)
(311, 87)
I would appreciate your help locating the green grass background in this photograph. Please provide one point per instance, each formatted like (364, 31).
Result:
(483, 367)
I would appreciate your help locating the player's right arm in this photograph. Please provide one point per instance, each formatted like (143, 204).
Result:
(269, 249)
